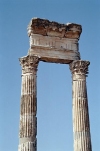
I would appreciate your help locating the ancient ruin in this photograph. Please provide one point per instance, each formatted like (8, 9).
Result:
(56, 43)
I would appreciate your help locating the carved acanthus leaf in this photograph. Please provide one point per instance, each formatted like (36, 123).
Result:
(79, 67)
(29, 63)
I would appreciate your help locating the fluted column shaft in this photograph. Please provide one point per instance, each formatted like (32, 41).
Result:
(28, 119)
(81, 126)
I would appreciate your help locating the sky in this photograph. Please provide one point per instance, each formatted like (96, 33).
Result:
(54, 81)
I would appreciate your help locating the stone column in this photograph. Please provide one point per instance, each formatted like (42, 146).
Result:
(28, 120)
(81, 126)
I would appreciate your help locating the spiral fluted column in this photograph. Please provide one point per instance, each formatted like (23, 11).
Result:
(28, 110)
(81, 125)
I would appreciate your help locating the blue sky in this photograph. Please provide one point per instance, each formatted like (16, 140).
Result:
(54, 80)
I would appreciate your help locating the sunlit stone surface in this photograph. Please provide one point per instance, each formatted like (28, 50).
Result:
(81, 125)
(56, 43)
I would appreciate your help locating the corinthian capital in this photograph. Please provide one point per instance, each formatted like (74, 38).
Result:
(29, 63)
(79, 67)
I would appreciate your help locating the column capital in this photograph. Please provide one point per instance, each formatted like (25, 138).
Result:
(79, 67)
(29, 63)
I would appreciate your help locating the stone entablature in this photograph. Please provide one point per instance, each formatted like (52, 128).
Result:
(54, 49)
(54, 42)
(47, 28)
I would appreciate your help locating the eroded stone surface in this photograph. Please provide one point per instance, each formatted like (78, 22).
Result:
(54, 42)
(58, 43)
(81, 125)
(28, 119)
(50, 28)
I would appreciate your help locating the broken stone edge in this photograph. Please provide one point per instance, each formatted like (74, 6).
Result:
(50, 28)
